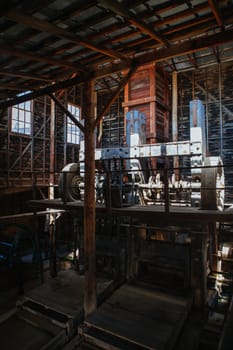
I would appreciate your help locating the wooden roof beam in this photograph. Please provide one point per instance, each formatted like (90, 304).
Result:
(67, 112)
(156, 56)
(7, 86)
(18, 74)
(26, 6)
(7, 50)
(215, 9)
(45, 26)
(115, 95)
(187, 47)
(120, 10)
(45, 91)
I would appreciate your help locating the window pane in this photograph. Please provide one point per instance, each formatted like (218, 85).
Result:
(21, 115)
(21, 118)
(15, 125)
(28, 105)
(14, 113)
(27, 117)
(72, 130)
(21, 105)
(27, 129)
(21, 127)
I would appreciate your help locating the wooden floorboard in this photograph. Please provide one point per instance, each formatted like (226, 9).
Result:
(64, 293)
(147, 317)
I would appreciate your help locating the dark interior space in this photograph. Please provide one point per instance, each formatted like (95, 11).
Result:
(116, 164)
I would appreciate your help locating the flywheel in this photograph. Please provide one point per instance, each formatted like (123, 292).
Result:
(69, 183)
(212, 184)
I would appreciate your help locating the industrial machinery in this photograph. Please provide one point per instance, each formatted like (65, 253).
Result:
(126, 171)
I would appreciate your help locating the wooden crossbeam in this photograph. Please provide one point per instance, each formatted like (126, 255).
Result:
(7, 50)
(67, 112)
(45, 26)
(156, 56)
(215, 9)
(117, 8)
(18, 74)
(115, 95)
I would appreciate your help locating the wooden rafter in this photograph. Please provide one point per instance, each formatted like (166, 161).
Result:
(18, 74)
(7, 50)
(45, 26)
(7, 86)
(117, 8)
(67, 112)
(115, 95)
(28, 7)
(217, 14)
(156, 56)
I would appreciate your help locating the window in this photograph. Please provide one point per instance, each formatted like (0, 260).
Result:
(21, 118)
(73, 132)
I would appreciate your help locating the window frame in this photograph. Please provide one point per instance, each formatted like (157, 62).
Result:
(22, 114)
(73, 135)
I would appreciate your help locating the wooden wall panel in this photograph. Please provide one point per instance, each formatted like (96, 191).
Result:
(148, 92)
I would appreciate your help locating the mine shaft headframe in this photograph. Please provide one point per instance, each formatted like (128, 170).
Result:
(212, 184)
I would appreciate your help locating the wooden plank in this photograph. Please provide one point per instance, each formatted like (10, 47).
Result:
(134, 327)
(89, 198)
(156, 305)
(143, 316)
(64, 293)
(139, 101)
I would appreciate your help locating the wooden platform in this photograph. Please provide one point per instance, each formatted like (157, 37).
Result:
(64, 293)
(144, 213)
(145, 318)
(47, 317)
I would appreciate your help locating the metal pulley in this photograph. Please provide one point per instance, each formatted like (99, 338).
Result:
(69, 183)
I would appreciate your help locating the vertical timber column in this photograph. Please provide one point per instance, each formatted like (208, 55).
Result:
(213, 235)
(52, 150)
(166, 102)
(199, 266)
(126, 100)
(52, 243)
(89, 107)
(175, 116)
(153, 129)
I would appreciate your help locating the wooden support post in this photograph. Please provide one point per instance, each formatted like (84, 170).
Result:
(214, 245)
(130, 269)
(52, 238)
(89, 199)
(153, 117)
(166, 190)
(199, 267)
(38, 246)
(175, 116)
(52, 246)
